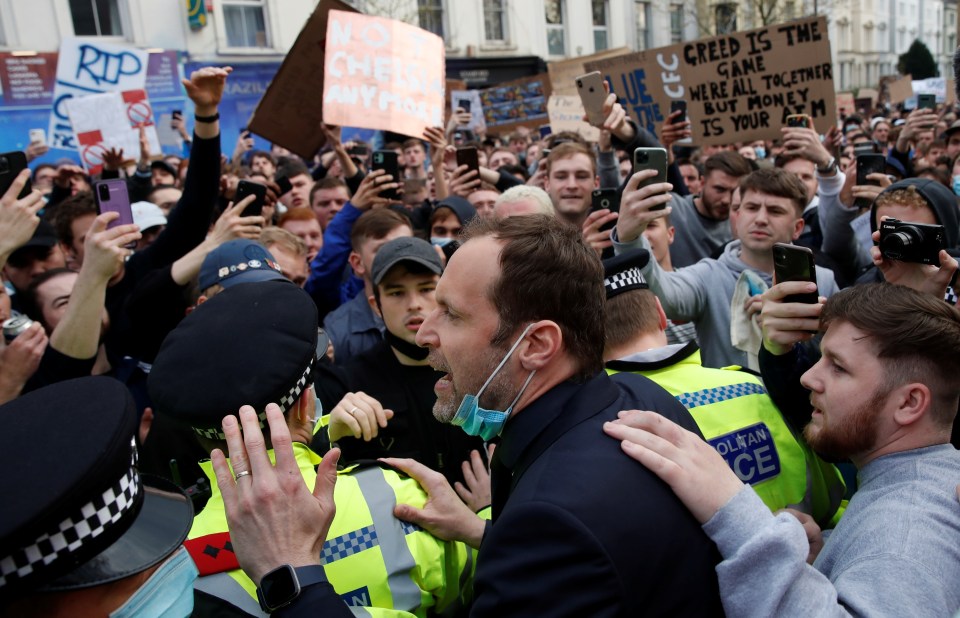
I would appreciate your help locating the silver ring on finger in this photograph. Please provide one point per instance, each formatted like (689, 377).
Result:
(353, 411)
(242, 474)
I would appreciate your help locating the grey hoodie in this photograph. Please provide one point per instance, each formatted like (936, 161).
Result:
(702, 293)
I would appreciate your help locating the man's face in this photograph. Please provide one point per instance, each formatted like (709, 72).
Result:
(44, 179)
(309, 232)
(327, 203)
(717, 192)
(292, 266)
(78, 183)
(53, 298)
(263, 165)
(806, 171)
(483, 201)
(405, 301)
(458, 332)
(691, 177)
(934, 153)
(79, 228)
(501, 158)
(159, 176)
(660, 236)
(299, 195)
(763, 220)
(445, 225)
(166, 199)
(953, 145)
(30, 262)
(413, 156)
(847, 392)
(369, 248)
(570, 183)
(881, 133)
(906, 213)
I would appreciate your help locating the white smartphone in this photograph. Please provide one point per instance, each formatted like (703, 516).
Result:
(592, 94)
(38, 136)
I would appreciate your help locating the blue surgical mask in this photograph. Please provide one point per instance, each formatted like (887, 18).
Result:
(440, 242)
(760, 151)
(956, 185)
(167, 594)
(487, 424)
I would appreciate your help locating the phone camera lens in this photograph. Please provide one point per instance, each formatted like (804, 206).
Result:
(4, 164)
(104, 193)
(579, 84)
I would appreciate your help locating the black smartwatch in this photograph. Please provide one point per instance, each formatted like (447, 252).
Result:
(281, 586)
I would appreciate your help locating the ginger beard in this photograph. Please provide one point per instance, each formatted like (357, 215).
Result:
(839, 437)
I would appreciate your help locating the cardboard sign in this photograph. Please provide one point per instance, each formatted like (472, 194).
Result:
(868, 93)
(289, 113)
(87, 66)
(469, 99)
(564, 72)
(844, 104)
(382, 74)
(566, 114)
(738, 87)
(900, 90)
(519, 102)
(111, 120)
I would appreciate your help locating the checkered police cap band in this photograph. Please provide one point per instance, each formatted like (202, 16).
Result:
(86, 523)
(286, 402)
(624, 281)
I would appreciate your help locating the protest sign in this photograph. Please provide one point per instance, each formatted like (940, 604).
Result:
(868, 93)
(111, 120)
(738, 87)
(382, 74)
(289, 114)
(900, 90)
(87, 66)
(566, 114)
(515, 103)
(469, 99)
(845, 104)
(932, 85)
(563, 73)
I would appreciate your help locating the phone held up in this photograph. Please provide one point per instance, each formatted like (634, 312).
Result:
(388, 161)
(794, 263)
(11, 164)
(246, 188)
(651, 159)
(592, 94)
(112, 196)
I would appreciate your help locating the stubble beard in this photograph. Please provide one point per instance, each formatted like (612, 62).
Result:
(854, 435)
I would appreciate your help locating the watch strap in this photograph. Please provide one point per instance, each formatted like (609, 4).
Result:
(212, 118)
(830, 167)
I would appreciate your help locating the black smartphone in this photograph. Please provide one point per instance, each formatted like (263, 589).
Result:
(651, 159)
(246, 188)
(678, 105)
(798, 120)
(609, 199)
(357, 151)
(11, 164)
(175, 115)
(284, 183)
(468, 156)
(794, 263)
(869, 164)
(545, 130)
(388, 161)
(926, 101)
(864, 148)
(464, 104)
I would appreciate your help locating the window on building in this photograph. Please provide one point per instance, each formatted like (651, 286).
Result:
(676, 23)
(556, 30)
(245, 22)
(789, 10)
(600, 40)
(96, 18)
(495, 20)
(430, 13)
(726, 15)
(643, 19)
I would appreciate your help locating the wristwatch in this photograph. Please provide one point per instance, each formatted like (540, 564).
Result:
(829, 168)
(281, 586)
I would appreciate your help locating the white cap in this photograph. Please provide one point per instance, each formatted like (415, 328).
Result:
(147, 215)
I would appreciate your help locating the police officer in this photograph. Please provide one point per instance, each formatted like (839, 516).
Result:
(254, 344)
(731, 407)
(81, 532)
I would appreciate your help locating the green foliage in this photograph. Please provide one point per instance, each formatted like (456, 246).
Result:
(918, 62)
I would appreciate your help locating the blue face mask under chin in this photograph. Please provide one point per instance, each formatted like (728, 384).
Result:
(956, 185)
(487, 424)
(168, 593)
(440, 242)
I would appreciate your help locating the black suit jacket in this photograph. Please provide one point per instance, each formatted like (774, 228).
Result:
(585, 530)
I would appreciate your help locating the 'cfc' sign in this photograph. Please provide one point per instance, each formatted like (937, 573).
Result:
(750, 452)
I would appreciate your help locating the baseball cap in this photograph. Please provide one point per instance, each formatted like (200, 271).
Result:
(147, 215)
(238, 261)
(405, 249)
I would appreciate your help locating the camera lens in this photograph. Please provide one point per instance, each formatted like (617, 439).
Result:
(605, 203)
(104, 193)
(896, 244)
(4, 164)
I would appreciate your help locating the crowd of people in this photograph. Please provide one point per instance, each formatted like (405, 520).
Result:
(458, 390)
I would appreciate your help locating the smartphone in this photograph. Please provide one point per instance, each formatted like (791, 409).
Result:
(112, 196)
(468, 156)
(864, 148)
(869, 164)
(926, 101)
(464, 104)
(284, 183)
(681, 106)
(794, 263)
(609, 199)
(175, 115)
(246, 188)
(38, 136)
(545, 130)
(651, 159)
(592, 94)
(387, 160)
(11, 164)
(357, 151)
(798, 120)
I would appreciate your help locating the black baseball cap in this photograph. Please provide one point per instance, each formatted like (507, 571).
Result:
(404, 249)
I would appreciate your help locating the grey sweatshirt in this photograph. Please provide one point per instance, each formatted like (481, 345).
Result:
(896, 551)
(702, 293)
(696, 237)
